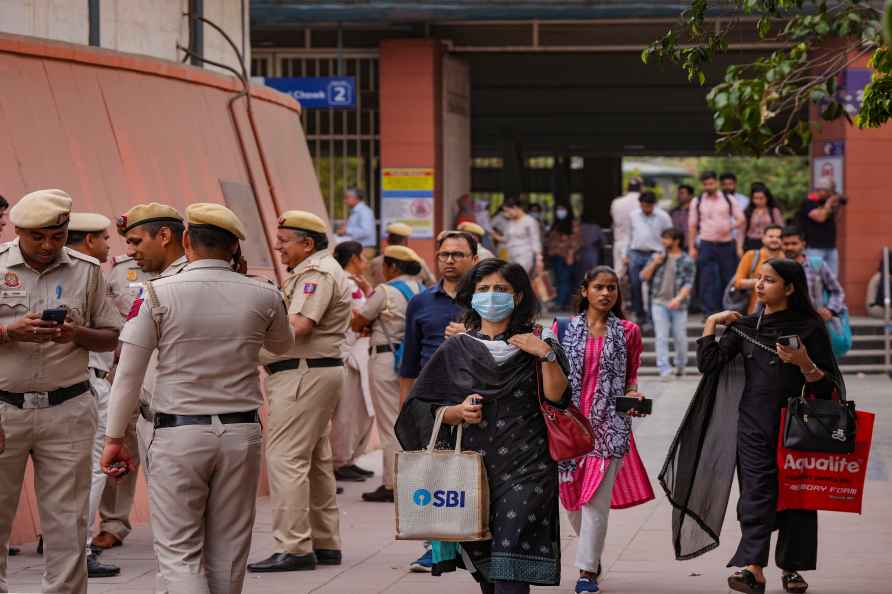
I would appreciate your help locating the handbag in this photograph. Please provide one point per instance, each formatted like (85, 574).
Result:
(735, 299)
(840, 330)
(570, 434)
(820, 425)
(441, 494)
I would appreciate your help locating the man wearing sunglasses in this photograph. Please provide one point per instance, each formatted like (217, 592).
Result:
(431, 316)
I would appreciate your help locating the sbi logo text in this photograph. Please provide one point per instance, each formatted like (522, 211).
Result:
(422, 497)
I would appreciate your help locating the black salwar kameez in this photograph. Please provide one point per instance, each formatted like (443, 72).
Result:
(761, 392)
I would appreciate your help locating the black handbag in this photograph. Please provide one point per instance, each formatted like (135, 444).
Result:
(820, 425)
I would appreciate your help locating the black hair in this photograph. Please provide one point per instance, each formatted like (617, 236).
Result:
(727, 175)
(770, 202)
(176, 229)
(582, 304)
(511, 202)
(793, 273)
(76, 237)
(687, 187)
(648, 197)
(708, 175)
(565, 225)
(674, 234)
(396, 239)
(345, 251)
(535, 205)
(211, 237)
(634, 185)
(468, 237)
(525, 311)
(792, 231)
(404, 266)
(771, 227)
(3, 203)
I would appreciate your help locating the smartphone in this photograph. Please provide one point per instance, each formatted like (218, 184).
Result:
(55, 314)
(625, 404)
(791, 341)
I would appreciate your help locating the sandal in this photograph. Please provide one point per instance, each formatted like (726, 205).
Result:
(794, 583)
(744, 581)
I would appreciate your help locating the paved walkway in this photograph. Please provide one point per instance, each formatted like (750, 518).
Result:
(853, 556)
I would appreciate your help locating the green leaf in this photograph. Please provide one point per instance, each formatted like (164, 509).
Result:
(701, 76)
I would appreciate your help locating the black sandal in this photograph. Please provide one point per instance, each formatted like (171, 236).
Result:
(744, 581)
(794, 583)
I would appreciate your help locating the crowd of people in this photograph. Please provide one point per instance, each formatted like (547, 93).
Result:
(157, 365)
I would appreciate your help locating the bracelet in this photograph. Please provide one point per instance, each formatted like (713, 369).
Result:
(814, 369)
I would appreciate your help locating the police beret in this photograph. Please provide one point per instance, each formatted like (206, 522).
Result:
(401, 229)
(302, 220)
(472, 228)
(215, 215)
(88, 222)
(153, 212)
(401, 252)
(41, 209)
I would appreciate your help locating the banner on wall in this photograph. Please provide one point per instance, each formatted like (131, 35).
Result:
(829, 161)
(407, 196)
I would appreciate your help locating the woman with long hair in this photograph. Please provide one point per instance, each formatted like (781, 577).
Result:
(562, 245)
(761, 212)
(748, 377)
(604, 351)
(487, 378)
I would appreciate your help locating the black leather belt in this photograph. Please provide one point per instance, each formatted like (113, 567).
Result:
(290, 364)
(383, 348)
(165, 421)
(29, 400)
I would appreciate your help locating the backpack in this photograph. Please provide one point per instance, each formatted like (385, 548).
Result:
(700, 216)
(739, 299)
(838, 327)
(407, 293)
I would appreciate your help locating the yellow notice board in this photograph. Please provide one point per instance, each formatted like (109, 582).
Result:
(407, 196)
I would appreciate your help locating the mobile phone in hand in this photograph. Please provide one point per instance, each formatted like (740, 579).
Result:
(791, 341)
(55, 314)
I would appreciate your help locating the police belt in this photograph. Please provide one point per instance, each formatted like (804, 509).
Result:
(289, 364)
(383, 348)
(165, 421)
(29, 400)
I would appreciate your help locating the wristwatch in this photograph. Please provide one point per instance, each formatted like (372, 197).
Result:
(550, 357)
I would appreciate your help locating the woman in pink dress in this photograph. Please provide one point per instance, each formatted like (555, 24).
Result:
(604, 351)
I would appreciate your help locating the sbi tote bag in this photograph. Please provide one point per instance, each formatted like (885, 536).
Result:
(441, 494)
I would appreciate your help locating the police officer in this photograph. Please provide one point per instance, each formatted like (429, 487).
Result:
(208, 324)
(479, 232)
(125, 282)
(385, 312)
(303, 388)
(46, 407)
(154, 236)
(88, 234)
(397, 234)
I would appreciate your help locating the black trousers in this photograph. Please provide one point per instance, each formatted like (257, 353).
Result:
(797, 544)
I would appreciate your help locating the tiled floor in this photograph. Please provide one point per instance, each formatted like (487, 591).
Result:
(854, 550)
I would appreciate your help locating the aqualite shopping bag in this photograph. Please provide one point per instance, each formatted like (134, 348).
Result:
(824, 480)
(441, 494)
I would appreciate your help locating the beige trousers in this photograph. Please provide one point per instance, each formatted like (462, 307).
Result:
(386, 398)
(298, 453)
(590, 522)
(351, 427)
(101, 391)
(203, 505)
(117, 498)
(59, 441)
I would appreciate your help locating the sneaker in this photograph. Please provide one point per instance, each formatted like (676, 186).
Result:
(665, 376)
(679, 372)
(586, 584)
(424, 563)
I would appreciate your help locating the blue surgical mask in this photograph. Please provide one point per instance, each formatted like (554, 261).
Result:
(493, 306)
(561, 213)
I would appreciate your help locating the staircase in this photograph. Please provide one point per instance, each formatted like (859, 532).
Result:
(867, 354)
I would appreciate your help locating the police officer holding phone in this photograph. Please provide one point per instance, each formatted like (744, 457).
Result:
(53, 313)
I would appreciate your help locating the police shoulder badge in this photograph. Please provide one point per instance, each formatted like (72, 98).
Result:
(11, 279)
(309, 288)
(131, 275)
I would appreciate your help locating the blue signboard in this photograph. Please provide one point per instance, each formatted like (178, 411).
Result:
(318, 92)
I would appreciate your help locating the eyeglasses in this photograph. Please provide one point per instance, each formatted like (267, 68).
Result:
(444, 256)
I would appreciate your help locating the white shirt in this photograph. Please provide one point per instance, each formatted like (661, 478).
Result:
(620, 210)
(646, 229)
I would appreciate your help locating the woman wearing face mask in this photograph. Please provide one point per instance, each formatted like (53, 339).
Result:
(487, 379)
(562, 245)
(603, 351)
(733, 422)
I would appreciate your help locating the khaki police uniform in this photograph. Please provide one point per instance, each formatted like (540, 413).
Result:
(376, 265)
(203, 459)
(46, 410)
(386, 309)
(125, 282)
(303, 390)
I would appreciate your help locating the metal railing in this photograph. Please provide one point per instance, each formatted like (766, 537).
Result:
(887, 310)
